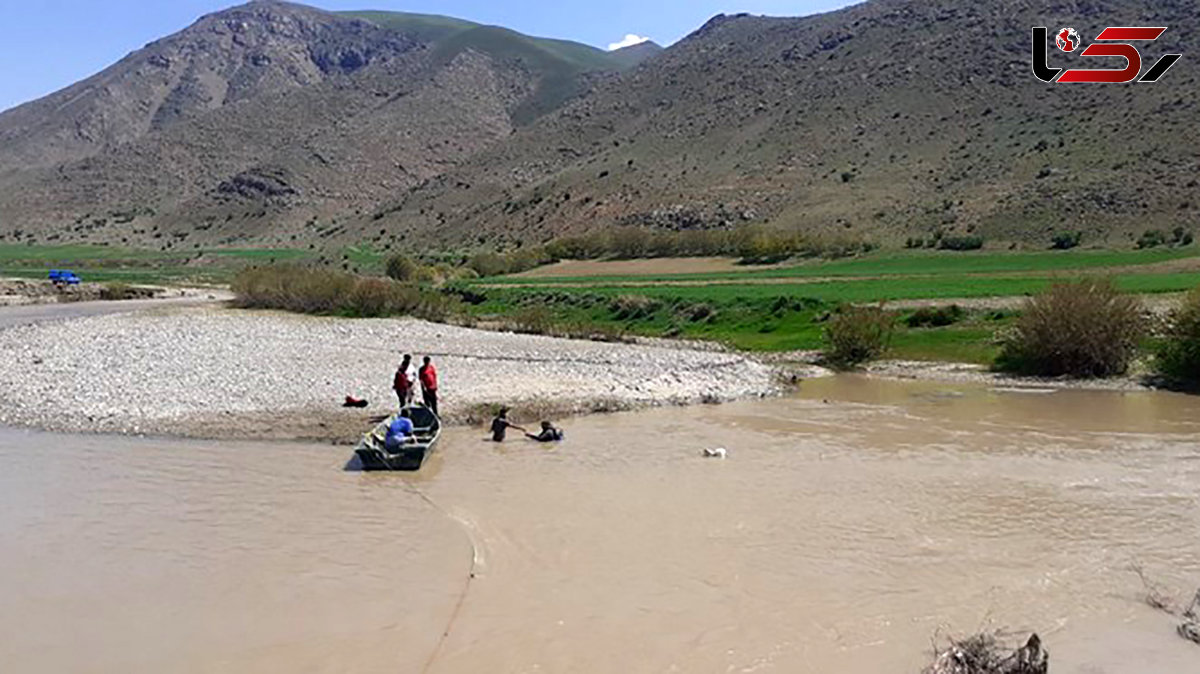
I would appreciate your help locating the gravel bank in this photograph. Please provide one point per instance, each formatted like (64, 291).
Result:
(21, 292)
(218, 373)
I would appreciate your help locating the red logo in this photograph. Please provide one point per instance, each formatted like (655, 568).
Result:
(1120, 37)
(1067, 40)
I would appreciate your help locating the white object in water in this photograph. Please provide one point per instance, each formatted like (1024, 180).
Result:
(718, 453)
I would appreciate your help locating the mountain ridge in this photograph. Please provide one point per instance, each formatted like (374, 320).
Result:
(884, 120)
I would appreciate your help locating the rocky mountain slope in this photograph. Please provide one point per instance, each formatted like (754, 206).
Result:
(223, 59)
(269, 120)
(888, 119)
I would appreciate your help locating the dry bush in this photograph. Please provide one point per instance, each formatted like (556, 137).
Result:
(372, 298)
(935, 317)
(117, 290)
(633, 307)
(1178, 356)
(534, 320)
(402, 268)
(489, 264)
(856, 335)
(1083, 329)
(321, 291)
(1156, 596)
(985, 654)
(754, 244)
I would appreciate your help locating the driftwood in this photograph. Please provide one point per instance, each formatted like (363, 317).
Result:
(984, 654)
(1190, 627)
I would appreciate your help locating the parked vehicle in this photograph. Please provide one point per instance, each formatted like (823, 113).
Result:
(64, 277)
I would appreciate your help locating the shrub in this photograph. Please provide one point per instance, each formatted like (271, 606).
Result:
(371, 298)
(633, 307)
(1178, 356)
(767, 248)
(700, 311)
(117, 291)
(970, 242)
(856, 335)
(755, 244)
(322, 291)
(631, 243)
(1066, 240)
(529, 257)
(489, 264)
(1152, 238)
(1181, 237)
(402, 268)
(535, 320)
(1083, 329)
(935, 317)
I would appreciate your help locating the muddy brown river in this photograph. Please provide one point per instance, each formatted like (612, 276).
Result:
(849, 526)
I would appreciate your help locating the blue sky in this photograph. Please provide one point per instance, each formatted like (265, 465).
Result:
(49, 44)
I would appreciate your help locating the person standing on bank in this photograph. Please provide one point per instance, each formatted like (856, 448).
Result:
(429, 385)
(405, 381)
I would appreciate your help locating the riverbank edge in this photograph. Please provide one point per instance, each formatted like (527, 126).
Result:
(344, 426)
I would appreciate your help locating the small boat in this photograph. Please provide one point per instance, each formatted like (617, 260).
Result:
(374, 456)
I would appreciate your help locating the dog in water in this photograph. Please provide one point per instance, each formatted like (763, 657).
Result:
(718, 453)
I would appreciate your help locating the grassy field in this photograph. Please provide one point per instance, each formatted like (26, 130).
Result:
(782, 309)
(753, 322)
(112, 263)
(777, 309)
(915, 263)
(877, 290)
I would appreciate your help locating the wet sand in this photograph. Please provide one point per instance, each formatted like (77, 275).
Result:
(838, 536)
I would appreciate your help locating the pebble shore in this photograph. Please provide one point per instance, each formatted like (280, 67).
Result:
(211, 372)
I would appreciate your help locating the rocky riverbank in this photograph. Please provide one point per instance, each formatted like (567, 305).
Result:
(211, 372)
(20, 292)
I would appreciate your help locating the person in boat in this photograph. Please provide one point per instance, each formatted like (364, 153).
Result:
(549, 433)
(501, 424)
(405, 381)
(429, 385)
(399, 433)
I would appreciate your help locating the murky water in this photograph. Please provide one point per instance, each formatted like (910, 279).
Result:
(838, 536)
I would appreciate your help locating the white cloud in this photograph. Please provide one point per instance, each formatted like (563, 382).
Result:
(629, 41)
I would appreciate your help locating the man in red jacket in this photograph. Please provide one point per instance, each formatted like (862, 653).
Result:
(429, 384)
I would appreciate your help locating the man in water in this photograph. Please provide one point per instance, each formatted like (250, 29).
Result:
(501, 424)
(429, 384)
(549, 433)
(400, 432)
(405, 381)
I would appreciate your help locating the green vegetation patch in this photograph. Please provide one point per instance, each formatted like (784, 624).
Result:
(908, 264)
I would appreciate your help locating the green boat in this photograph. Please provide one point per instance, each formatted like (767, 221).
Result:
(374, 456)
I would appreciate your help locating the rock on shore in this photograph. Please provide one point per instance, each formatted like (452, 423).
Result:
(222, 373)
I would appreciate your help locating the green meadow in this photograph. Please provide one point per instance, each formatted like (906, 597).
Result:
(755, 309)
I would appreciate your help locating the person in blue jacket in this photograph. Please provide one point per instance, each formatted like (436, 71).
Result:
(399, 433)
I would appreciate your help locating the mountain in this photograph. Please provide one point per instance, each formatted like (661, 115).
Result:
(223, 59)
(888, 119)
(634, 55)
(258, 122)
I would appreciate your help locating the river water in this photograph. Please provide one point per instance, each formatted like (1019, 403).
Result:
(849, 526)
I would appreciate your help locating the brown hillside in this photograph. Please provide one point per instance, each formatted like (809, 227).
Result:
(888, 119)
(235, 55)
